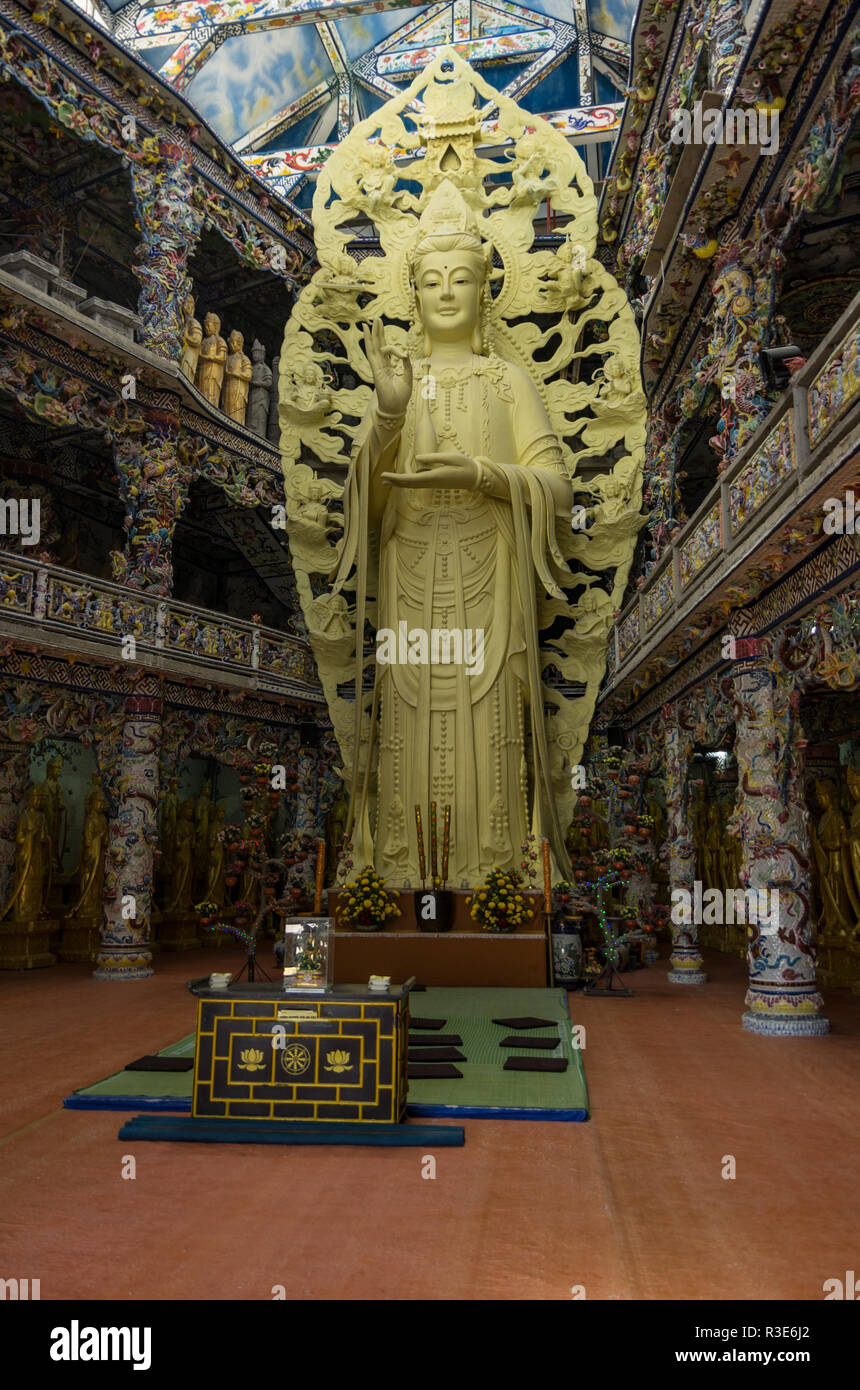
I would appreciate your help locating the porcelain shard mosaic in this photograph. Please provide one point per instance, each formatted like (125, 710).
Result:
(835, 386)
(704, 543)
(763, 473)
(659, 598)
(629, 632)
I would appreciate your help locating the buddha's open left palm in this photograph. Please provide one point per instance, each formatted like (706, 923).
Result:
(448, 470)
(392, 390)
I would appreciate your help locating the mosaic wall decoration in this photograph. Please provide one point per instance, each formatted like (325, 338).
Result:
(835, 386)
(629, 632)
(16, 590)
(95, 609)
(658, 599)
(762, 474)
(702, 545)
(91, 605)
(500, 47)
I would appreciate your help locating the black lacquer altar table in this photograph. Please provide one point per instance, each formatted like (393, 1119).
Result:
(264, 1054)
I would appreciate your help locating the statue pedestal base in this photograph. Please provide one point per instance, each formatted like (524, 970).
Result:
(461, 955)
(80, 940)
(179, 933)
(25, 945)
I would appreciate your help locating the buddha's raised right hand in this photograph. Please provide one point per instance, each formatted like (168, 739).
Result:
(392, 390)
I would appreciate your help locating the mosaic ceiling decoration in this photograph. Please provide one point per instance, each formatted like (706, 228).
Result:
(283, 81)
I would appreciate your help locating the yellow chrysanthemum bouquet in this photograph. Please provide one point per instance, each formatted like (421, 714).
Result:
(499, 903)
(364, 902)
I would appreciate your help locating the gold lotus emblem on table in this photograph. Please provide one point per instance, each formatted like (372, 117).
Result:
(337, 1061)
(252, 1060)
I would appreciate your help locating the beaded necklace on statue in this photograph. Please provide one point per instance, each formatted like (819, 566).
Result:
(451, 380)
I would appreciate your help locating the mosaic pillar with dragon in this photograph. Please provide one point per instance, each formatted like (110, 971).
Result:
(498, 382)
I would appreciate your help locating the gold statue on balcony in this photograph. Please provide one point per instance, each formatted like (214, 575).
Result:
(466, 432)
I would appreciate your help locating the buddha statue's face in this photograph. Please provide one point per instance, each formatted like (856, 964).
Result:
(449, 294)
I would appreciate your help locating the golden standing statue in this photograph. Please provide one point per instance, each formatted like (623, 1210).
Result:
(183, 863)
(213, 359)
(192, 340)
(91, 869)
(215, 888)
(829, 845)
(55, 811)
(237, 380)
(33, 860)
(852, 858)
(457, 501)
(202, 812)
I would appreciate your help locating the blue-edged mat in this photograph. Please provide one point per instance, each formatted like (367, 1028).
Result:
(184, 1129)
(486, 1091)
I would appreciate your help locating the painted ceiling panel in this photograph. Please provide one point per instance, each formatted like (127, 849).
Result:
(294, 75)
(612, 17)
(250, 77)
(364, 32)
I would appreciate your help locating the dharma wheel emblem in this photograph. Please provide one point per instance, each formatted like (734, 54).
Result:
(295, 1059)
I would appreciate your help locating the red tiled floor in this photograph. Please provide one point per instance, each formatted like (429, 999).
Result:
(630, 1205)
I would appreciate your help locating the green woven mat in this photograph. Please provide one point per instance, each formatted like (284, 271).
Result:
(484, 1083)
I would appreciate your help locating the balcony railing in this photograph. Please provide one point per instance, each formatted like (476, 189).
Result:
(768, 476)
(62, 600)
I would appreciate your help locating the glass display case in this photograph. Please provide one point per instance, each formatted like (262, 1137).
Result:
(308, 947)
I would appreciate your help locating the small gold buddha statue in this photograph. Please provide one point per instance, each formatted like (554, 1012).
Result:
(215, 890)
(192, 340)
(55, 811)
(829, 846)
(699, 818)
(203, 811)
(852, 858)
(91, 869)
(183, 864)
(33, 861)
(237, 380)
(212, 360)
(713, 848)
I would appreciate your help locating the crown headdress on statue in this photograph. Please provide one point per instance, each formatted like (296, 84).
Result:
(446, 216)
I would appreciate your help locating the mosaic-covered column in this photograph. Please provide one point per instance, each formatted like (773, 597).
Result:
(686, 959)
(170, 227)
(14, 777)
(783, 998)
(133, 837)
(153, 484)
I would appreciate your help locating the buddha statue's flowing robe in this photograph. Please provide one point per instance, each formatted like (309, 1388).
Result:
(457, 561)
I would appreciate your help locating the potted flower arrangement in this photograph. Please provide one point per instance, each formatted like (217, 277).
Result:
(365, 904)
(499, 903)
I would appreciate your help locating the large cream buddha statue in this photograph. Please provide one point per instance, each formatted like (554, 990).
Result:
(458, 429)
(464, 483)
